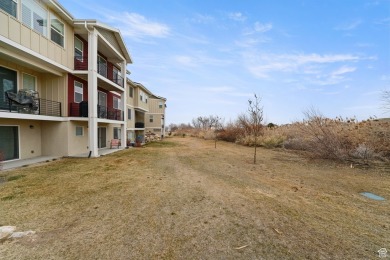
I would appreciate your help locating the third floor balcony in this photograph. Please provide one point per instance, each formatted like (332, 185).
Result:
(104, 69)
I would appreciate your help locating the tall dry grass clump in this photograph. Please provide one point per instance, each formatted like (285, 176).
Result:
(339, 139)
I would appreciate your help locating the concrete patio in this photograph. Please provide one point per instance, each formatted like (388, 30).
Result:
(41, 159)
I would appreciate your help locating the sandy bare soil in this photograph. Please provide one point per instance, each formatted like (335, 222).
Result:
(183, 199)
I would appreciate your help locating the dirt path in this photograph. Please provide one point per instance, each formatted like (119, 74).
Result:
(184, 199)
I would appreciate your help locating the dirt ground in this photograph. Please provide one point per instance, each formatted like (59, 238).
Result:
(184, 199)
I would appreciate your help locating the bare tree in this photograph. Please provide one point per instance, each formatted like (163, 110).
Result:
(217, 125)
(253, 121)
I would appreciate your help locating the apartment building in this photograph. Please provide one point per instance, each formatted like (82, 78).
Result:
(137, 107)
(62, 82)
(155, 117)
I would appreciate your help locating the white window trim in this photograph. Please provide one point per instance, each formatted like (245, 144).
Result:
(129, 114)
(63, 35)
(82, 47)
(35, 80)
(82, 130)
(105, 62)
(105, 105)
(31, 25)
(82, 91)
(119, 102)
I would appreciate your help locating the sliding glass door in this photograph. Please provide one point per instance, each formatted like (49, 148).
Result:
(9, 143)
(8, 82)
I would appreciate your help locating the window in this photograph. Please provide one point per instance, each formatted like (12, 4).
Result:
(29, 82)
(129, 113)
(57, 31)
(117, 103)
(34, 16)
(115, 74)
(78, 49)
(79, 131)
(160, 104)
(8, 82)
(9, 6)
(131, 91)
(117, 133)
(151, 118)
(102, 66)
(78, 92)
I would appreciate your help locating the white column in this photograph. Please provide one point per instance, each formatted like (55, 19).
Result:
(124, 106)
(92, 93)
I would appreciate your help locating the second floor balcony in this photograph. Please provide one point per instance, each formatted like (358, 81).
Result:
(81, 110)
(81, 63)
(26, 103)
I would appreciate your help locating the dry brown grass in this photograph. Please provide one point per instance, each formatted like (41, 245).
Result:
(186, 200)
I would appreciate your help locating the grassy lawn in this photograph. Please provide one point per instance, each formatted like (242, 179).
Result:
(183, 199)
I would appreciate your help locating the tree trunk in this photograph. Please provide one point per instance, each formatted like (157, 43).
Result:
(254, 158)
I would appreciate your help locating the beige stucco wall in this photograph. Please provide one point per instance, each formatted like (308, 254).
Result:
(29, 138)
(54, 138)
(14, 30)
(137, 102)
(154, 106)
(77, 144)
(131, 123)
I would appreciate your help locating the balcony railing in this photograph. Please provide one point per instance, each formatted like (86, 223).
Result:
(139, 125)
(81, 63)
(81, 110)
(41, 106)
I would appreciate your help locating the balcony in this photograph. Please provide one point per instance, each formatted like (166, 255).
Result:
(139, 125)
(16, 103)
(81, 110)
(81, 63)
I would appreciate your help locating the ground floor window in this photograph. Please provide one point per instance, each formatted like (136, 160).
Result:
(9, 143)
(117, 133)
(79, 131)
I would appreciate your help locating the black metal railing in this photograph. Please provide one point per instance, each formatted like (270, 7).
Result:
(110, 113)
(81, 110)
(81, 63)
(43, 107)
(102, 69)
(139, 125)
(117, 79)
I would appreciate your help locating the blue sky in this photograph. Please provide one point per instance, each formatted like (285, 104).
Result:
(210, 57)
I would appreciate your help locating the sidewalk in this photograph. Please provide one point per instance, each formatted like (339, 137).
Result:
(26, 162)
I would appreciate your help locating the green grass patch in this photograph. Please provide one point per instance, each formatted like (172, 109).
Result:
(16, 177)
(161, 144)
(8, 198)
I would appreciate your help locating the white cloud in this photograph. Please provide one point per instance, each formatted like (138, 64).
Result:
(237, 16)
(313, 68)
(385, 77)
(185, 60)
(200, 58)
(349, 25)
(343, 70)
(138, 26)
(259, 27)
(203, 19)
